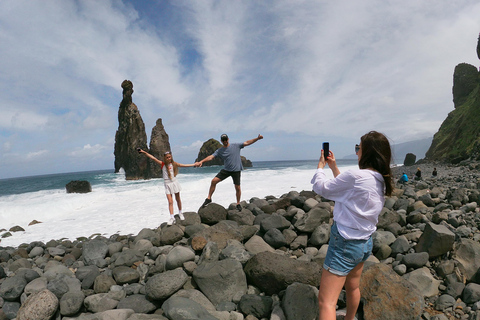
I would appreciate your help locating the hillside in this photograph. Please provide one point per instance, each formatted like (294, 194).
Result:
(459, 135)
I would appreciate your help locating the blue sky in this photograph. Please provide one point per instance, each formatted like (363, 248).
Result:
(298, 72)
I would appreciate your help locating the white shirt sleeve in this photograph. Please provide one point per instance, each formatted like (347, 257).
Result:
(332, 189)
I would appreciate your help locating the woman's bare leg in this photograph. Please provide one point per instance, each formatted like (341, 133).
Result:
(330, 287)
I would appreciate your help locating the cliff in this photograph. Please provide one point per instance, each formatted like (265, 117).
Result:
(459, 135)
(209, 147)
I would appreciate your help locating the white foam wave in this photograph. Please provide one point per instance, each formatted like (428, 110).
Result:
(126, 207)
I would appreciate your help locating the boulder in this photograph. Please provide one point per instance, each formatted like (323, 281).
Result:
(94, 251)
(78, 186)
(380, 283)
(256, 305)
(467, 253)
(300, 302)
(423, 280)
(410, 159)
(272, 272)
(212, 214)
(163, 285)
(137, 303)
(221, 233)
(180, 308)
(222, 280)
(38, 306)
(436, 240)
(312, 219)
(178, 256)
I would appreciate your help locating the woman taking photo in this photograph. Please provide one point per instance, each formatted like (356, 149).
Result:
(359, 197)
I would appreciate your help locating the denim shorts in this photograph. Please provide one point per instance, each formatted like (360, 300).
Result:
(344, 255)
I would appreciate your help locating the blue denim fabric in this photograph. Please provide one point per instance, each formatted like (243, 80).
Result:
(344, 255)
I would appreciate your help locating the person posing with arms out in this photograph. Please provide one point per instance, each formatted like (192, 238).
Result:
(359, 197)
(170, 171)
(230, 154)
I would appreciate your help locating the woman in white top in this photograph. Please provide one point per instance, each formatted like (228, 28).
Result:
(170, 171)
(359, 197)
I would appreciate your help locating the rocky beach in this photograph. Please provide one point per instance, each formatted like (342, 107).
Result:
(263, 262)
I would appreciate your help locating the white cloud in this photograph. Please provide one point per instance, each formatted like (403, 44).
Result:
(88, 151)
(282, 68)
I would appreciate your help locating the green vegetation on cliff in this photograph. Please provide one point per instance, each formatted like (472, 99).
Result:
(459, 135)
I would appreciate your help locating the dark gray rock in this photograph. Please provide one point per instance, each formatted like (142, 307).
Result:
(400, 245)
(275, 238)
(178, 256)
(312, 220)
(71, 302)
(11, 288)
(212, 214)
(272, 272)
(415, 260)
(471, 294)
(171, 234)
(93, 251)
(103, 283)
(10, 309)
(138, 303)
(320, 235)
(163, 285)
(256, 305)
(78, 186)
(180, 308)
(87, 275)
(244, 217)
(436, 240)
(124, 275)
(236, 251)
(274, 221)
(300, 302)
(222, 280)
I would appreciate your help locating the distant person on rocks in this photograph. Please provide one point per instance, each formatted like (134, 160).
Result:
(169, 172)
(418, 174)
(230, 154)
(434, 173)
(359, 197)
(403, 178)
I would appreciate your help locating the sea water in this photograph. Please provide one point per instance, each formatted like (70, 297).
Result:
(116, 205)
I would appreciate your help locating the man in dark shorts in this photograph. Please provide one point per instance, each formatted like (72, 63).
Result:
(230, 154)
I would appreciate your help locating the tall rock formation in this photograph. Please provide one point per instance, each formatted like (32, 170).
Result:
(129, 136)
(209, 147)
(159, 144)
(459, 135)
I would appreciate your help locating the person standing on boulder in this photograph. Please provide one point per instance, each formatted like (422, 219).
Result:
(359, 197)
(169, 172)
(230, 154)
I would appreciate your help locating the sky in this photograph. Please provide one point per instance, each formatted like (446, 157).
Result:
(297, 72)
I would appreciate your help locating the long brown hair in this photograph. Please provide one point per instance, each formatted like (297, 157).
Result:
(377, 155)
(175, 166)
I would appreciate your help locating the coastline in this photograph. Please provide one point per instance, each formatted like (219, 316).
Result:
(269, 236)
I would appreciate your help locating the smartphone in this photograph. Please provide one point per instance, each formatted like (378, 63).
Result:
(138, 150)
(326, 150)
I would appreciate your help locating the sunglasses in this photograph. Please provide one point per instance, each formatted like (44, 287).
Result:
(168, 152)
(357, 148)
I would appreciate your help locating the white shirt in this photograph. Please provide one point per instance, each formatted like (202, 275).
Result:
(359, 199)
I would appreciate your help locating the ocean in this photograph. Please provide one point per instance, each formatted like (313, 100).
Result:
(116, 205)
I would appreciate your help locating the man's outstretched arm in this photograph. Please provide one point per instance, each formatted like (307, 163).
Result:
(251, 141)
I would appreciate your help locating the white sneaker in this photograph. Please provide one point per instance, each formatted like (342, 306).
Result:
(182, 217)
(171, 221)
